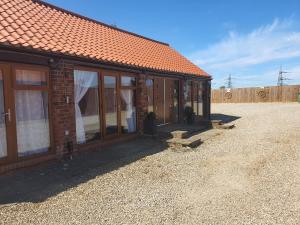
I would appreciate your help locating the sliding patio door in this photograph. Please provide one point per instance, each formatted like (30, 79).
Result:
(110, 104)
(105, 104)
(194, 96)
(87, 110)
(128, 104)
(171, 100)
(119, 103)
(166, 100)
(5, 117)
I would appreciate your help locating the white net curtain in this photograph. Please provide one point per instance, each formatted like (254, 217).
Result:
(32, 122)
(32, 118)
(130, 113)
(83, 80)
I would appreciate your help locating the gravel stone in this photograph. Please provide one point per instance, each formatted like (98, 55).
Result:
(247, 175)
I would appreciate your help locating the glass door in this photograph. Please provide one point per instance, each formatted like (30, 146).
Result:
(128, 104)
(24, 111)
(86, 95)
(150, 94)
(167, 100)
(160, 100)
(6, 116)
(175, 101)
(200, 99)
(3, 118)
(31, 91)
(110, 106)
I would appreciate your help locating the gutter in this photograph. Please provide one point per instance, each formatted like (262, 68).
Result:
(92, 63)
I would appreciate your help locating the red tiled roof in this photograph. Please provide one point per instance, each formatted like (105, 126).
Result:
(40, 26)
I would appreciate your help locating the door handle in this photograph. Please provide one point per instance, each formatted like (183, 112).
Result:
(7, 114)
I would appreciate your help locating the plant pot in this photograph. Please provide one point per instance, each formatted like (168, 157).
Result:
(189, 115)
(190, 120)
(150, 127)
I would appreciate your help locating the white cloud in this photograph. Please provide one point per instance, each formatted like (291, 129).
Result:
(276, 41)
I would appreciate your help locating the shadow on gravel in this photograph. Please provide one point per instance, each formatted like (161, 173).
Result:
(39, 183)
(225, 118)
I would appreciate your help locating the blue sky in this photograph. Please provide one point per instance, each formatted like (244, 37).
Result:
(248, 39)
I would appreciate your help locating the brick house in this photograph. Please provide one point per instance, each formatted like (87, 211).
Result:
(70, 82)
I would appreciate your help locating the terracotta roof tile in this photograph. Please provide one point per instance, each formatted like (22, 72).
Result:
(38, 25)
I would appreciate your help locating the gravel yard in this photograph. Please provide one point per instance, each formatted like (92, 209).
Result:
(247, 175)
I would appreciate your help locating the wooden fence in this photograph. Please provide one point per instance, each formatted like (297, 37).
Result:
(266, 94)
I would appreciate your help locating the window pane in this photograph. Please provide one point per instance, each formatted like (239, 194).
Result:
(86, 93)
(188, 94)
(195, 98)
(31, 77)
(128, 111)
(110, 104)
(200, 100)
(32, 122)
(3, 144)
(176, 101)
(128, 81)
(160, 104)
(149, 85)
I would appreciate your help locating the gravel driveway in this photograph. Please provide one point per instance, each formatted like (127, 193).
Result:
(248, 175)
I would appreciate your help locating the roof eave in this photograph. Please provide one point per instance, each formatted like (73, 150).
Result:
(96, 62)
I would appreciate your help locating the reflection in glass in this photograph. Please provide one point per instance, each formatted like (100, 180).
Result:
(176, 101)
(195, 98)
(3, 144)
(32, 122)
(128, 111)
(149, 85)
(86, 106)
(31, 77)
(110, 105)
(128, 81)
(200, 100)
(188, 94)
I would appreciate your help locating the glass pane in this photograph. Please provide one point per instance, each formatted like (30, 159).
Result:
(31, 77)
(128, 81)
(110, 104)
(195, 98)
(176, 101)
(200, 100)
(188, 94)
(128, 111)
(160, 101)
(149, 85)
(32, 122)
(86, 91)
(3, 144)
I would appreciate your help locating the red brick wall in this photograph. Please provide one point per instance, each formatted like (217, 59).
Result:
(63, 114)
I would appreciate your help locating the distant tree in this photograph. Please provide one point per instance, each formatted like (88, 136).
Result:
(222, 87)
